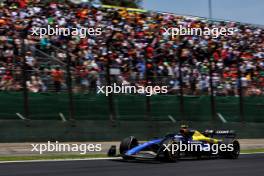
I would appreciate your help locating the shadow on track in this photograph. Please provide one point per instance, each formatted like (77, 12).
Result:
(153, 161)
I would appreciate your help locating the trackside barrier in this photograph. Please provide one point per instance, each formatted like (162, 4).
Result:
(47, 106)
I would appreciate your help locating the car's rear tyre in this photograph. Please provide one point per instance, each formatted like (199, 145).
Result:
(127, 144)
(170, 155)
(234, 153)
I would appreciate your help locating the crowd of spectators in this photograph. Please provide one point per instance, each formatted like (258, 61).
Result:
(131, 42)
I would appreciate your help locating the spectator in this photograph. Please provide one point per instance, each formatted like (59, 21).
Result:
(57, 76)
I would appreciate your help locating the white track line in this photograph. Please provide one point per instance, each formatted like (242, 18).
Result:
(87, 159)
(59, 160)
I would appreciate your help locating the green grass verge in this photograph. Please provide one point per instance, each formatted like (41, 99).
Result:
(252, 150)
(50, 157)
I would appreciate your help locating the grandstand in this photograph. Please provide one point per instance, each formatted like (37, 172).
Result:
(133, 43)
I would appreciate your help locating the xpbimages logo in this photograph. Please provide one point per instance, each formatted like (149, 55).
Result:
(128, 89)
(190, 31)
(63, 147)
(198, 147)
(81, 32)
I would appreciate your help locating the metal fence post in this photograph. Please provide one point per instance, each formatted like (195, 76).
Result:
(69, 87)
(181, 107)
(110, 96)
(148, 104)
(24, 84)
(211, 49)
(240, 90)
(108, 79)
(212, 97)
(181, 91)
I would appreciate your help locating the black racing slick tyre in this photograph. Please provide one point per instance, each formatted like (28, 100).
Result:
(234, 153)
(169, 154)
(127, 144)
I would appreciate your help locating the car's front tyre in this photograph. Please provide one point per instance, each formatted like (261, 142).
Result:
(127, 144)
(169, 152)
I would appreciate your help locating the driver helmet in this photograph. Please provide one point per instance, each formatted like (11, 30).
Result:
(184, 129)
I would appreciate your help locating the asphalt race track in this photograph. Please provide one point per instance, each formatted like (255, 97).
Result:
(246, 165)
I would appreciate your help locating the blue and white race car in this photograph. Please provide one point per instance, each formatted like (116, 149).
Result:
(186, 143)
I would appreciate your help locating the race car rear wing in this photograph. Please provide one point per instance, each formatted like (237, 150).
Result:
(220, 133)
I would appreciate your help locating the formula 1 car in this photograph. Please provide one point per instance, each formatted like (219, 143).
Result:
(211, 143)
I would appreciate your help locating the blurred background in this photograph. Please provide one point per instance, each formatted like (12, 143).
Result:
(57, 77)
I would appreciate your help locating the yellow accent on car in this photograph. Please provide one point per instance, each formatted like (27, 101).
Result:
(197, 136)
